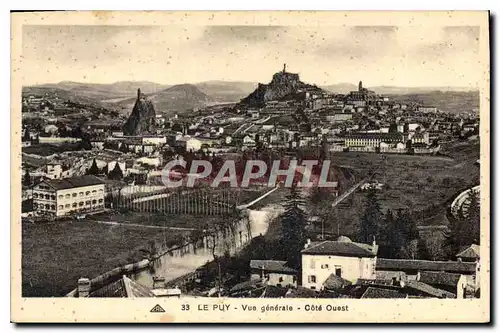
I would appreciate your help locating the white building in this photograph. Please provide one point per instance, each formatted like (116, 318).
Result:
(64, 196)
(154, 140)
(344, 258)
(190, 143)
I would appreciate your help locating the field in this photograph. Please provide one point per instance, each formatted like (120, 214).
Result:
(55, 255)
(410, 182)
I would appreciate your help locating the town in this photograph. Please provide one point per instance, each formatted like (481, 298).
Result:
(400, 219)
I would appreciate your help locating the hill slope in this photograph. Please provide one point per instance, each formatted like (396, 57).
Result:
(104, 92)
(283, 85)
(178, 98)
(226, 91)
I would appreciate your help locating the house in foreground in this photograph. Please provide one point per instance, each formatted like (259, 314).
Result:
(273, 272)
(344, 258)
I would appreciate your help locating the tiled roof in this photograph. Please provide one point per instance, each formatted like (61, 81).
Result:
(373, 292)
(347, 249)
(272, 266)
(302, 292)
(425, 265)
(274, 292)
(429, 290)
(123, 287)
(472, 252)
(440, 278)
(72, 182)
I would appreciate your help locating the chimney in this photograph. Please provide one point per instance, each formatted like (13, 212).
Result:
(158, 282)
(83, 287)
(139, 93)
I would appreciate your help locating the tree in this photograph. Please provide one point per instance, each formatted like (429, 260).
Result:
(371, 218)
(293, 227)
(124, 148)
(116, 173)
(27, 178)
(26, 135)
(93, 170)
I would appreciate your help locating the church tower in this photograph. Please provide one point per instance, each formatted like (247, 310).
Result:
(360, 86)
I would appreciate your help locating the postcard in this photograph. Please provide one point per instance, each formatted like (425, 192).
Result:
(250, 167)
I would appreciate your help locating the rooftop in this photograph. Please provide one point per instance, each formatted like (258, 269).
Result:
(272, 266)
(72, 182)
(440, 278)
(124, 287)
(342, 247)
(429, 290)
(374, 292)
(471, 252)
(425, 265)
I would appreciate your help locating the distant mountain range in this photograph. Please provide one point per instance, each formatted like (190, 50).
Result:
(182, 97)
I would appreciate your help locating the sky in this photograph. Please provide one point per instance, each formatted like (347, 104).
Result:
(409, 56)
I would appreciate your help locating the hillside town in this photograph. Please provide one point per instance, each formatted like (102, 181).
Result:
(387, 229)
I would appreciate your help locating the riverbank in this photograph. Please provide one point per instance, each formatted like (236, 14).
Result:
(55, 255)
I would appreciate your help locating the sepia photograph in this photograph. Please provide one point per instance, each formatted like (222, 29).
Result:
(250, 166)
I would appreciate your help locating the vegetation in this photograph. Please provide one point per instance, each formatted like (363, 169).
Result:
(371, 219)
(94, 169)
(293, 223)
(55, 255)
(116, 173)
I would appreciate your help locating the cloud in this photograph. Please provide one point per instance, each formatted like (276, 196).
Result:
(409, 55)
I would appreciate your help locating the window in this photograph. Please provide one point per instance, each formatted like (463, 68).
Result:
(94, 202)
(60, 196)
(61, 206)
(311, 279)
(74, 205)
(35, 195)
(87, 193)
(101, 190)
(47, 206)
(47, 197)
(66, 206)
(74, 195)
(101, 200)
(280, 279)
(94, 192)
(324, 266)
(81, 203)
(81, 194)
(67, 196)
(338, 271)
(313, 263)
(53, 197)
(87, 203)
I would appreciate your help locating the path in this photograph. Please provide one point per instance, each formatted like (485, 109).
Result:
(144, 226)
(347, 193)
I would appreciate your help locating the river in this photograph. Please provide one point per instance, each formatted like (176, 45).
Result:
(188, 257)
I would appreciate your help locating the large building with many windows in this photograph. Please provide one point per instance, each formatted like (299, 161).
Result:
(61, 197)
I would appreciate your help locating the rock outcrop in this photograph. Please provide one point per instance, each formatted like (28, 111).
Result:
(143, 117)
(284, 85)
